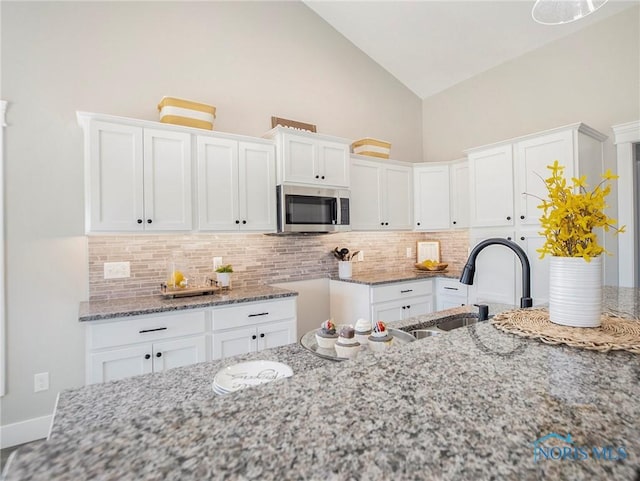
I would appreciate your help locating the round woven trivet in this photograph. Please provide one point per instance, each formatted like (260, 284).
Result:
(615, 333)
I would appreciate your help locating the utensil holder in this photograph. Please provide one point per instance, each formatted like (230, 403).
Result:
(344, 269)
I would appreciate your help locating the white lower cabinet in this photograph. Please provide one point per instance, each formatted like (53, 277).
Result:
(124, 347)
(387, 302)
(253, 327)
(450, 293)
(128, 346)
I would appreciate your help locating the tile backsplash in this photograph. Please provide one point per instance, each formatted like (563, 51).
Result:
(256, 258)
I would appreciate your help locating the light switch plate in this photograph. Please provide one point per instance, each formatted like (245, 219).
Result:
(117, 270)
(40, 381)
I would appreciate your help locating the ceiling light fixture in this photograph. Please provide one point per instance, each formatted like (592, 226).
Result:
(557, 12)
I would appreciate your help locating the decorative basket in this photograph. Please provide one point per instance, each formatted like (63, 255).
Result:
(186, 112)
(372, 148)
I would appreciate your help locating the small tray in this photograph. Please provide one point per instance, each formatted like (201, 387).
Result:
(171, 293)
(436, 268)
(308, 341)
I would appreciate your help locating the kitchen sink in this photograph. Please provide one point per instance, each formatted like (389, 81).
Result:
(455, 321)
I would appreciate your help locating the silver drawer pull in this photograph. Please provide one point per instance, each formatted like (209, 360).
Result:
(153, 330)
(451, 288)
(261, 314)
(406, 290)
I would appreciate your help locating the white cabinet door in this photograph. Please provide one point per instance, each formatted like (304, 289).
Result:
(276, 334)
(388, 311)
(300, 158)
(459, 186)
(218, 184)
(491, 187)
(117, 364)
(178, 353)
(397, 198)
(366, 195)
(167, 180)
(418, 307)
(431, 192)
(530, 241)
(234, 342)
(333, 164)
(532, 158)
(257, 187)
(115, 172)
(494, 279)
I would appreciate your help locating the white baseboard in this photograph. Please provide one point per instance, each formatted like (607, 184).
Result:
(25, 431)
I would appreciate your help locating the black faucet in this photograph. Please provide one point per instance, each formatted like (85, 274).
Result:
(470, 267)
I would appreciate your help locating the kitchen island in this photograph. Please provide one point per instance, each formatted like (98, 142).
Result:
(470, 404)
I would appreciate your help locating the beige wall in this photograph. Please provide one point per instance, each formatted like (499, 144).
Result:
(251, 60)
(592, 76)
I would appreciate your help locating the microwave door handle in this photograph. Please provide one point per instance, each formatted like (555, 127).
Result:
(336, 212)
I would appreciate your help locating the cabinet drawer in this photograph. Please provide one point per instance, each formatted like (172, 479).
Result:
(451, 288)
(400, 290)
(143, 329)
(252, 313)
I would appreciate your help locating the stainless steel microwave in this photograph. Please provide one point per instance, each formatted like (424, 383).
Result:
(312, 209)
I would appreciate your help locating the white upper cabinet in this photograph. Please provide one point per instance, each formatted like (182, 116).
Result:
(506, 180)
(309, 158)
(441, 196)
(381, 195)
(432, 197)
(491, 187)
(137, 179)
(236, 185)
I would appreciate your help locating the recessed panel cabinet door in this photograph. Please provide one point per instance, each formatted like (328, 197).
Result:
(431, 195)
(398, 197)
(459, 182)
(276, 334)
(257, 187)
(120, 363)
(491, 187)
(178, 353)
(300, 159)
(530, 242)
(218, 207)
(333, 161)
(366, 195)
(167, 180)
(234, 342)
(494, 279)
(532, 158)
(115, 178)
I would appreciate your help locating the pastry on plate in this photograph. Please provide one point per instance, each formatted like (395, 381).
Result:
(327, 336)
(346, 346)
(362, 331)
(380, 339)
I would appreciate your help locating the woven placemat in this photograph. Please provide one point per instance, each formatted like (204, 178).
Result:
(615, 333)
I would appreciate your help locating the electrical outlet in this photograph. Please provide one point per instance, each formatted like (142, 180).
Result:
(409, 253)
(41, 382)
(117, 270)
(360, 256)
(217, 262)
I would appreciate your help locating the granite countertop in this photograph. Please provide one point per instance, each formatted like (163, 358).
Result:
(468, 404)
(134, 306)
(374, 278)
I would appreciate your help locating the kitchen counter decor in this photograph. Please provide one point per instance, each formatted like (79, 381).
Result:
(614, 333)
(575, 272)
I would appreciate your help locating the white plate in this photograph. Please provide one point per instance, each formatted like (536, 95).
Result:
(247, 374)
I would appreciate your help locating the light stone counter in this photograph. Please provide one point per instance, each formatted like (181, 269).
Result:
(468, 404)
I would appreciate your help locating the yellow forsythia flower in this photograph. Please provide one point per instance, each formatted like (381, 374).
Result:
(572, 213)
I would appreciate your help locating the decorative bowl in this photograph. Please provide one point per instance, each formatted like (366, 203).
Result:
(440, 266)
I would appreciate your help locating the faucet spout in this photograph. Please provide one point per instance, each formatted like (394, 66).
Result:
(469, 270)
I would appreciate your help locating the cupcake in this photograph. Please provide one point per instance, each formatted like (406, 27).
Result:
(346, 345)
(362, 331)
(326, 336)
(380, 339)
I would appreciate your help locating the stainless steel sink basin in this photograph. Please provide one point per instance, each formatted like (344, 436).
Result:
(450, 323)
(422, 333)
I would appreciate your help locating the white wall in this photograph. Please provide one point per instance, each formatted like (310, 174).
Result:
(251, 60)
(592, 76)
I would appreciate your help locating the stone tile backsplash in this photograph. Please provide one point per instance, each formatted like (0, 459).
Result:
(256, 258)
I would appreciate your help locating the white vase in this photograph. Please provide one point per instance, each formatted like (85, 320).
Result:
(223, 279)
(575, 291)
(344, 269)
